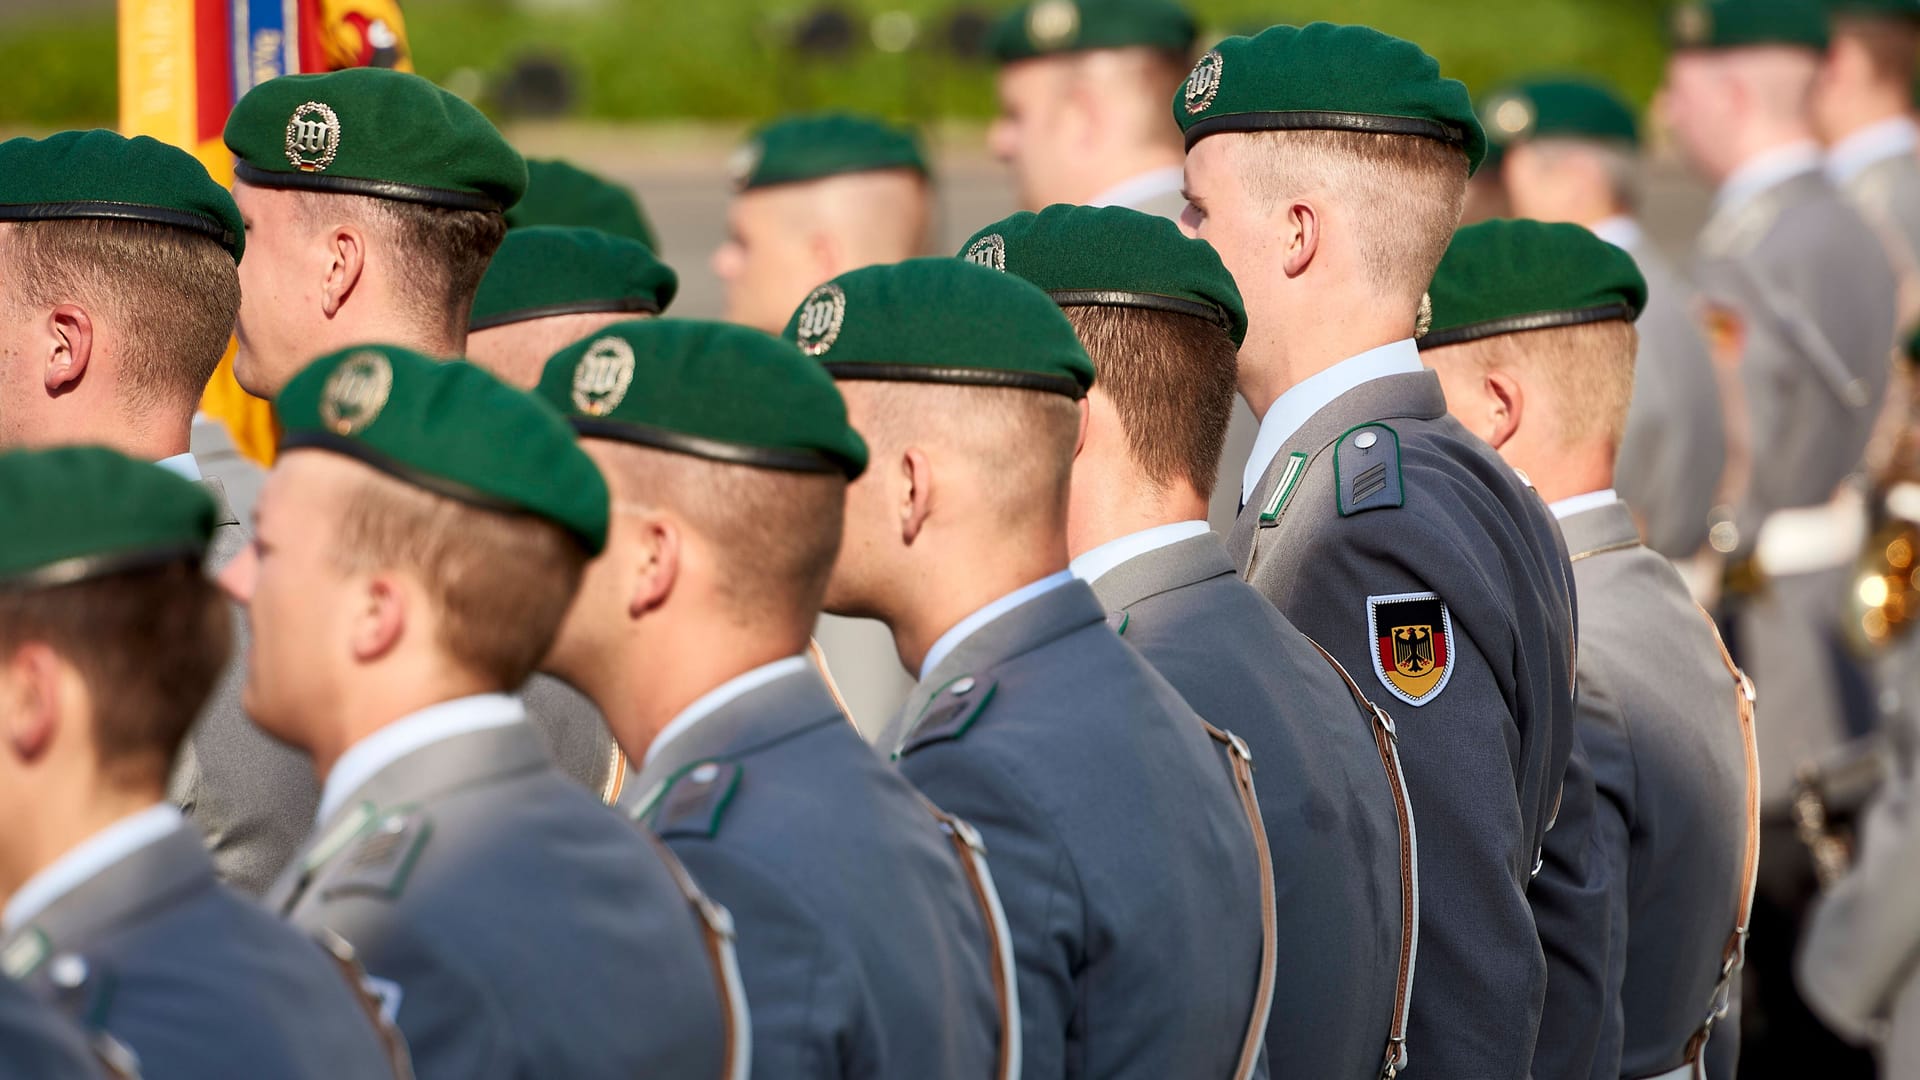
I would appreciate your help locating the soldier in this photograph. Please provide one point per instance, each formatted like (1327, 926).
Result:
(1805, 304)
(118, 290)
(1571, 153)
(35, 1041)
(561, 193)
(549, 287)
(1533, 340)
(1143, 939)
(1162, 319)
(110, 638)
(1083, 119)
(374, 201)
(862, 948)
(1863, 110)
(816, 196)
(420, 538)
(1327, 165)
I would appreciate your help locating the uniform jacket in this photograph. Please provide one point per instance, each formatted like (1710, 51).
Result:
(1572, 901)
(1887, 194)
(1326, 798)
(195, 980)
(1115, 834)
(1675, 446)
(1659, 719)
(863, 950)
(517, 927)
(37, 1042)
(1382, 496)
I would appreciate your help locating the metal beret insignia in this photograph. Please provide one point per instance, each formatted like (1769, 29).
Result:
(601, 379)
(1692, 24)
(1052, 23)
(313, 137)
(820, 317)
(1203, 84)
(356, 392)
(744, 161)
(1423, 320)
(1510, 117)
(989, 251)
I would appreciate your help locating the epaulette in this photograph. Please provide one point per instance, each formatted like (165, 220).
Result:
(951, 713)
(378, 861)
(693, 800)
(81, 987)
(1734, 235)
(1366, 469)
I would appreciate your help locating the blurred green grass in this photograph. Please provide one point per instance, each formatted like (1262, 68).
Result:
(642, 60)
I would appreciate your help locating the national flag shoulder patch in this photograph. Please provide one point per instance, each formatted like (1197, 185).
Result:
(1412, 638)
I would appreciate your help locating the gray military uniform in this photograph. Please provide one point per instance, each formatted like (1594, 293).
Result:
(1328, 800)
(520, 928)
(1659, 717)
(1675, 445)
(195, 980)
(1381, 513)
(1887, 194)
(37, 1043)
(1121, 850)
(862, 948)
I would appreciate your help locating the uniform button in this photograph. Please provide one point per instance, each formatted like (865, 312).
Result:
(704, 773)
(1365, 440)
(961, 685)
(68, 972)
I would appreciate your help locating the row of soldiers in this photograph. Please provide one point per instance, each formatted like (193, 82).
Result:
(1052, 860)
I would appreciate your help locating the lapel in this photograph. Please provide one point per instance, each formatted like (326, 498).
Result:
(1047, 617)
(1601, 529)
(1414, 396)
(766, 714)
(1162, 570)
(158, 874)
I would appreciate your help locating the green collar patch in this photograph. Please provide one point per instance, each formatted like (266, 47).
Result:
(693, 800)
(382, 859)
(953, 710)
(344, 832)
(1118, 620)
(1289, 480)
(1366, 469)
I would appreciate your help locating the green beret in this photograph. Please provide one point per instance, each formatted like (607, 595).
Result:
(544, 270)
(1048, 27)
(450, 428)
(559, 193)
(1323, 77)
(98, 174)
(1735, 24)
(941, 321)
(81, 512)
(712, 390)
(1084, 256)
(1565, 108)
(1502, 277)
(824, 144)
(1891, 9)
(373, 131)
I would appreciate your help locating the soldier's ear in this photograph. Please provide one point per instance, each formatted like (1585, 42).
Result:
(384, 617)
(656, 569)
(1506, 402)
(916, 495)
(1300, 237)
(346, 260)
(69, 347)
(30, 691)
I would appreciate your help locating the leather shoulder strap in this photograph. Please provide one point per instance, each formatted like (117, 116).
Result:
(1242, 761)
(348, 962)
(716, 926)
(972, 853)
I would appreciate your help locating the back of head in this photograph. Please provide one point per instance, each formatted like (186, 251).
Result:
(1569, 146)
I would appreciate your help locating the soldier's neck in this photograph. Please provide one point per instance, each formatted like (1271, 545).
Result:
(74, 814)
(1112, 500)
(1862, 111)
(666, 670)
(964, 577)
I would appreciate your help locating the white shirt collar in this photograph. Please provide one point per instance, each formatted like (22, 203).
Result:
(181, 465)
(1766, 171)
(1621, 231)
(85, 860)
(1579, 504)
(1870, 146)
(1092, 565)
(710, 702)
(1147, 186)
(965, 628)
(1308, 396)
(364, 759)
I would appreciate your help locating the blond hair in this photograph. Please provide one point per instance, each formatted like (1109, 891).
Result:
(1019, 444)
(1587, 370)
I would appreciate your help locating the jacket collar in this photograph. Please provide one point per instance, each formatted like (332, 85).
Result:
(1601, 529)
(151, 876)
(1162, 570)
(765, 714)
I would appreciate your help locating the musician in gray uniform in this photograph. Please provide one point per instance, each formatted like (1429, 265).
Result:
(1161, 320)
(863, 948)
(37, 1042)
(112, 636)
(1804, 301)
(1533, 340)
(1863, 110)
(1142, 937)
(1572, 153)
(1327, 165)
(420, 538)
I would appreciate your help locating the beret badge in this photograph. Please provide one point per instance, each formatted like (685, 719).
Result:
(1052, 23)
(313, 137)
(989, 251)
(1510, 117)
(601, 379)
(356, 392)
(821, 316)
(1204, 83)
(1692, 24)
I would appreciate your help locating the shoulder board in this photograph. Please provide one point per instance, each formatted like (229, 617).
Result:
(1736, 234)
(1117, 621)
(377, 863)
(693, 801)
(952, 712)
(79, 986)
(1366, 469)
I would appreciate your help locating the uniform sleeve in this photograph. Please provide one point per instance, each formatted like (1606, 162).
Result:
(1572, 901)
(1038, 887)
(1606, 741)
(1858, 952)
(1480, 973)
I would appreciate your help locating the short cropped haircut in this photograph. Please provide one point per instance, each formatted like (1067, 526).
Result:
(1172, 379)
(501, 583)
(1020, 443)
(1891, 43)
(774, 534)
(149, 644)
(1588, 370)
(1618, 159)
(442, 254)
(1403, 194)
(171, 294)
